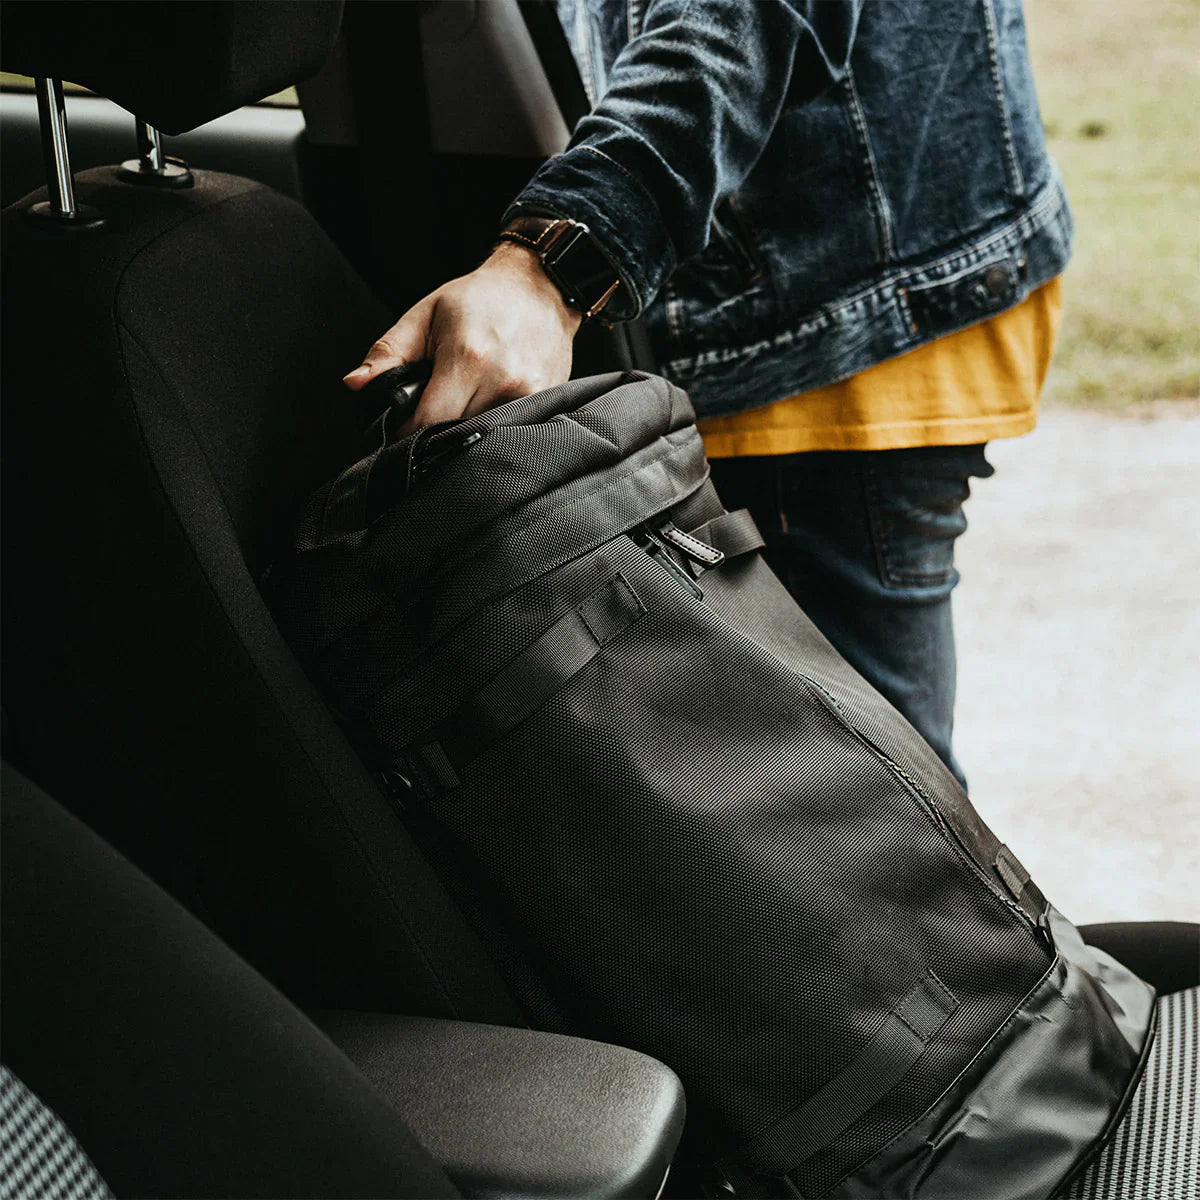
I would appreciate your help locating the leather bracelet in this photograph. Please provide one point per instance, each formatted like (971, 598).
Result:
(572, 258)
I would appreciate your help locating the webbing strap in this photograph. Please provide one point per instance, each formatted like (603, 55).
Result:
(346, 501)
(525, 684)
(898, 1042)
(732, 533)
(1017, 879)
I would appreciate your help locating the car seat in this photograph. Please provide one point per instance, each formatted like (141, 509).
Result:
(182, 1072)
(171, 366)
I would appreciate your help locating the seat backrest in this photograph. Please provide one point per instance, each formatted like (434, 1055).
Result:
(170, 391)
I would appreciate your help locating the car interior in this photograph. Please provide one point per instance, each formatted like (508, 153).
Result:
(228, 968)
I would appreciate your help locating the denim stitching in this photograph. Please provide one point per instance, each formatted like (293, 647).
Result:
(875, 521)
(906, 311)
(674, 307)
(745, 239)
(634, 19)
(1009, 236)
(628, 175)
(583, 37)
(883, 210)
(1015, 179)
(942, 280)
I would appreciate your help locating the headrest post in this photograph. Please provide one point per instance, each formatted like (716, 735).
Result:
(52, 112)
(150, 150)
(152, 168)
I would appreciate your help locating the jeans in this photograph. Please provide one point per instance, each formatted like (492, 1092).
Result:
(864, 541)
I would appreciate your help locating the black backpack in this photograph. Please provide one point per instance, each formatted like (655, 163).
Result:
(683, 822)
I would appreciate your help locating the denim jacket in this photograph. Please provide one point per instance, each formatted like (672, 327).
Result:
(795, 190)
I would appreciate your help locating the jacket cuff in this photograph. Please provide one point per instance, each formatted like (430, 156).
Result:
(629, 226)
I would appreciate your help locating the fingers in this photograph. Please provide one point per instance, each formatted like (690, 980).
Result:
(501, 332)
(405, 342)
(497, 387)
(466, 382)
(450, 389)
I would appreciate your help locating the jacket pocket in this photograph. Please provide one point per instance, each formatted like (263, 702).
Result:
(731, 242)
(728, 266)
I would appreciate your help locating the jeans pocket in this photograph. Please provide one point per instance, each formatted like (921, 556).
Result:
(914, 500)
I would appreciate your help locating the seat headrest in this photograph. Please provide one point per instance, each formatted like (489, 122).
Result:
(173, 63)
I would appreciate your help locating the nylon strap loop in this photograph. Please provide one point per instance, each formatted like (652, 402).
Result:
(733, 533)
(1017, 879)
(899, 1042)
(700, 552)
(525, 684)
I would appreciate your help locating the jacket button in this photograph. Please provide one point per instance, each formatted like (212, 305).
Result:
(995, 279)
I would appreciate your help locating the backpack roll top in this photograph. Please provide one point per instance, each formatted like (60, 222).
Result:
(423, 529)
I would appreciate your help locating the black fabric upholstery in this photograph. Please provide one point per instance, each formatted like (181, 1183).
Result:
(1154, 1154)
(41, 1159)
(171, 388)
(535, 1114)
(180, 1071)
(1164, 953)
(175, 65)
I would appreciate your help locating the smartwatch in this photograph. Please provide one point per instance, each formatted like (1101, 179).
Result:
(576, 263)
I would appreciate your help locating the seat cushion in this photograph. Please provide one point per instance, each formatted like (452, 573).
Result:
(41, 1159)
(180, 1071)
(1155, 1152)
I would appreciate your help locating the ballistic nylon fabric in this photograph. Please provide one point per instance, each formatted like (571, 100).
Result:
(710, 840)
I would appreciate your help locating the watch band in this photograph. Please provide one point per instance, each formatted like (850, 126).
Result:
(575, 262)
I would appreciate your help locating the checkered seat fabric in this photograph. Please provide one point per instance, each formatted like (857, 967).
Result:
(39, 1157)
(1155, 1152)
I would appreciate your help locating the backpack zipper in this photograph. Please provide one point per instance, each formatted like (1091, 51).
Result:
(939, 818)
(649, 541)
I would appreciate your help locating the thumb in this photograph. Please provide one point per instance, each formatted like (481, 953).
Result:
(404, 343)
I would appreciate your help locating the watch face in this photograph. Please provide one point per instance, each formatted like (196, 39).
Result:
(581, 270)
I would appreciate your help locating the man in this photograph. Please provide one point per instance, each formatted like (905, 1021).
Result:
(841, 224)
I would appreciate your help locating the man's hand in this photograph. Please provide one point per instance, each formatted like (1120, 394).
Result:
(501, 332)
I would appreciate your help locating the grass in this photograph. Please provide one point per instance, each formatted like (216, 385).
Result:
(1119, 87)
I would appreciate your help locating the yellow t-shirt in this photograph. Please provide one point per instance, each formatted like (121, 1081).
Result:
(980, 383)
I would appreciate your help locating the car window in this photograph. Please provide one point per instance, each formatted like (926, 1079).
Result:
(24, 83)
(10, 82)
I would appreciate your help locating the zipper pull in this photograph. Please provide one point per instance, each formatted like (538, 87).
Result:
(646, 538)
(398, 786)
(701, 553)
(424, 463)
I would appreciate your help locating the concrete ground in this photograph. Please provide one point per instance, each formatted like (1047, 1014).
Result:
(1079, 651)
